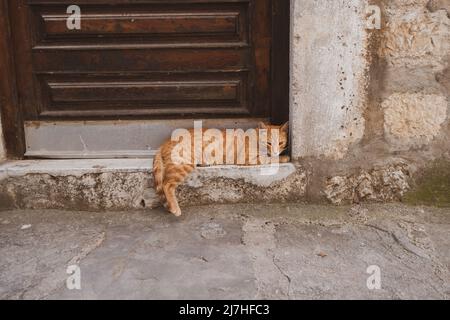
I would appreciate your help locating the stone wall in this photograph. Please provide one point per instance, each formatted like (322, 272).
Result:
(416, 51)
(370, 108)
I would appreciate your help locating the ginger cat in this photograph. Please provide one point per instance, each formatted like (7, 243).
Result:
(169, 172)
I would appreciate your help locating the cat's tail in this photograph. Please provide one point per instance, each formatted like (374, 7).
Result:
(158, 174)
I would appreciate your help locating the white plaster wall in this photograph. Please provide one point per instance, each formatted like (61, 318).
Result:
(328, 68)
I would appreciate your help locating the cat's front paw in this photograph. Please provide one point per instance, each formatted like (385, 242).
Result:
(285, 159)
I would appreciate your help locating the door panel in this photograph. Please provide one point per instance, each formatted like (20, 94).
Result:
(137, 60)
(110, 139)
(143, 95)
(151, 59)
(152, 22)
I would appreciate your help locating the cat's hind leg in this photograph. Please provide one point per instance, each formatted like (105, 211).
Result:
(175, 175)
(172, 202)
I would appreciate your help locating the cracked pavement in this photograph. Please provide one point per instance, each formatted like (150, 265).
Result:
(287, 251)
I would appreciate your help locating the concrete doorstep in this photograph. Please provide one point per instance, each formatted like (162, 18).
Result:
(120, 184)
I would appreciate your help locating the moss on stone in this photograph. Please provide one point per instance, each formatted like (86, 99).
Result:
(433, 186)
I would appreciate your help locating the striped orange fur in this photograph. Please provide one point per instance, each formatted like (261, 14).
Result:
(169, 174)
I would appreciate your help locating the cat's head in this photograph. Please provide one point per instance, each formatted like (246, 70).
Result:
(283, 135)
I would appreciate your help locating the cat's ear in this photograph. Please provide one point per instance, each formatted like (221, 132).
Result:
(262, 125)
(285, 127)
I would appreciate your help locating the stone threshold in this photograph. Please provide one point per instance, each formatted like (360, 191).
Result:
(76, 167)
(119, 184)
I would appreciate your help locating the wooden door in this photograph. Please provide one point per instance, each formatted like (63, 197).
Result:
(153, 63)
(143, 59)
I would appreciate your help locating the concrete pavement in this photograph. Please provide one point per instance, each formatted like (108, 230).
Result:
(228, 252)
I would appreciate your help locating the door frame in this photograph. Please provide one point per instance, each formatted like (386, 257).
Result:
(11, 110)
(11, 115)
